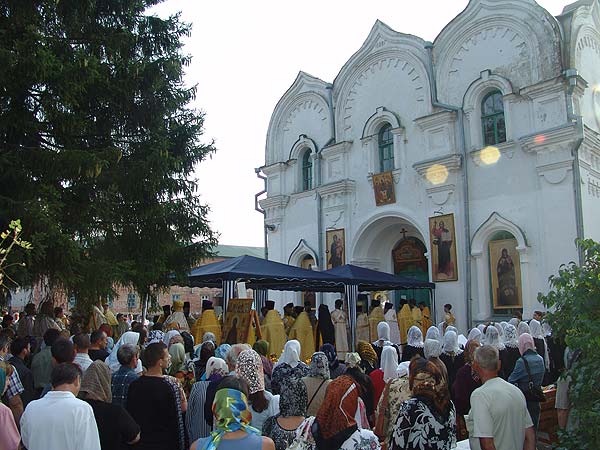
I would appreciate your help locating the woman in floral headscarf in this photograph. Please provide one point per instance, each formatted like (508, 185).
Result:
(232, 419)
(197, 412)
(292, 411)
(262, 403)
(316, 382)
(364, 383)
(427, 421)
(511, 345)
(336, 368)
(335, 426)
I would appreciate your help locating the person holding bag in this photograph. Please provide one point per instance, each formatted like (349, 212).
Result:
(528, 375)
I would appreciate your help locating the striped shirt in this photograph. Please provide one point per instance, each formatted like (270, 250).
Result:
(194, 420)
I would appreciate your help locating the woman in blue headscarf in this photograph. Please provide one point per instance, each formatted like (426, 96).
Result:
(232, 418)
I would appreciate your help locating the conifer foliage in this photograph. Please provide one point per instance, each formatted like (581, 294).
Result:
(98, 144)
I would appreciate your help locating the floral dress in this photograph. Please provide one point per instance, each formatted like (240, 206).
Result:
(396, 391)
(420, 428)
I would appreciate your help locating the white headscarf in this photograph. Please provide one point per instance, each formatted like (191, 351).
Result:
(415, 337)
(536, 329)
(510, 337)
(216, 365)
(500, 333)
(451, 343)
(547, 329)
(514, 322)
(168, 335)
(432, 348)
(481, 327)
(503, 325)
(383, 335)
(537, 332)
(492, 337)
(523, 328)
(291, 353)
(389, 363)
(475, 335)
(129, 337)
(433, 333)
(451, 328)
(403, 369)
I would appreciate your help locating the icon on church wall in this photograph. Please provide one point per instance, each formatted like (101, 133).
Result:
(505, 269)
(442, 236)
(336, 248)
(383, 188)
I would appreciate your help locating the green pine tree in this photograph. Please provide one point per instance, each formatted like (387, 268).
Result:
(98, 145)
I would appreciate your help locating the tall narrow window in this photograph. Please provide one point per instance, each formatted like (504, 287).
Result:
(386, 148)
(307, 170)
(492, 119)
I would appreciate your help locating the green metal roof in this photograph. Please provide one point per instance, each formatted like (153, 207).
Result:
(233, 251)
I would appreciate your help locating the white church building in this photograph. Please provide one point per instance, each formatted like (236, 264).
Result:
(495, 126)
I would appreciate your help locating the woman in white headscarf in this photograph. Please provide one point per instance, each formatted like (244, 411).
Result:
(523, 328)
(396, 391)
(514, 322)
(433, 350)
(492, 338)
(475, 335)
(452, 356)
(537, 332)
(511, 350)
(500, 329)
(383, 340)
(169, 335)
(414, 345)
(129, 337)
(289, 365)
(433, 333)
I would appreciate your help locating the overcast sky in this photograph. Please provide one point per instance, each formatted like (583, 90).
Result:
(245, 56)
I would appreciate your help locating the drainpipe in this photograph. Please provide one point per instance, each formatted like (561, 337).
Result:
(463, 149)
(262, 211)
(571, 76)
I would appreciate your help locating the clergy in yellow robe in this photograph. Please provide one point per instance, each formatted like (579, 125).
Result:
(426, 320)
(375, 317)
(404, 322)
(273, 330)
(207, 322)
(362, 325)
(302, 331)
(177, 318)
(417, 317)
(288, 317)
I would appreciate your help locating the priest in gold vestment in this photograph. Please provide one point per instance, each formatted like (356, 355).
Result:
(273, 330)
(302, 331)
(207, 322)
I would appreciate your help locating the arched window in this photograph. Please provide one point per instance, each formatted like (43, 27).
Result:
(385, 143)
(307, 170)
(492, 119)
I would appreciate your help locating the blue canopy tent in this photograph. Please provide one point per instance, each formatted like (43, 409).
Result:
(260, 275)
(359, 279)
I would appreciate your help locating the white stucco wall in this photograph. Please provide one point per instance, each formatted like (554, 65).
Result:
(507, 45)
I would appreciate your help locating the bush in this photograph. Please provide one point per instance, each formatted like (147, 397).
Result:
(574, 302)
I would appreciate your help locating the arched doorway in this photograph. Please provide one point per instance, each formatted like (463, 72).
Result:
(409, 260)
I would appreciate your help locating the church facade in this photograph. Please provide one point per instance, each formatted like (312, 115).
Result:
(472, 161)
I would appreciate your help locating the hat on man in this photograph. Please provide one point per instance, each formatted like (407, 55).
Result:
(270, 305)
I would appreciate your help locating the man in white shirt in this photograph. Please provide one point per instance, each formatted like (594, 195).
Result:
(498, 409)
(82, 346)
(60, 420)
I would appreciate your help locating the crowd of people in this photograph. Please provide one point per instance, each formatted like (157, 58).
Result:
(174, 383)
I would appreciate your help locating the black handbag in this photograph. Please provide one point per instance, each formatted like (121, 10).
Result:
(533, 393)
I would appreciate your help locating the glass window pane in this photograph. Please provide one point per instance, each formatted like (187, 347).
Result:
(501, 129)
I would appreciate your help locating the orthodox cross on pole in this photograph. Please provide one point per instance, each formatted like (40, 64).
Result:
(403, 231)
